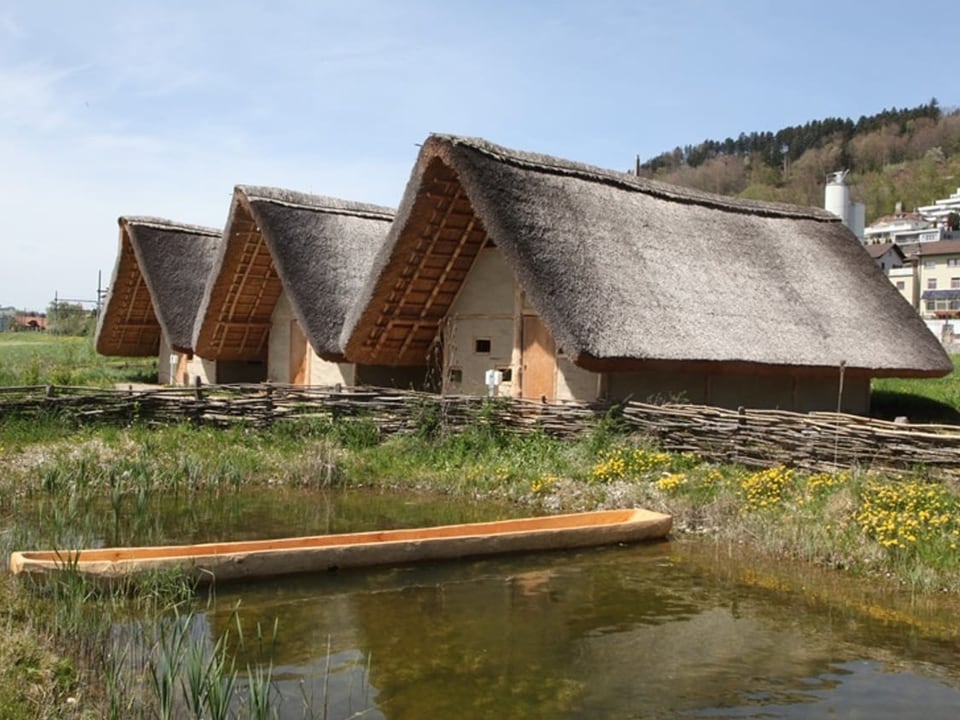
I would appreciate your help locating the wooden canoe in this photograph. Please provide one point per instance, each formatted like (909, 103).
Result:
(266, 558)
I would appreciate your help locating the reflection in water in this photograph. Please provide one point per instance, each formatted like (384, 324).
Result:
(337, 682)
(852, 689)
(644, 631)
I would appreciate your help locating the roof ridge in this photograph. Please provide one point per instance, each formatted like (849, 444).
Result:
(324, 203)
(627, 181)
(169, 225)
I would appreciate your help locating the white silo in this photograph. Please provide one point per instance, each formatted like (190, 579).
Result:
(836, 196)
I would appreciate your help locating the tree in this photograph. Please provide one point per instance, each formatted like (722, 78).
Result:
(65, 318)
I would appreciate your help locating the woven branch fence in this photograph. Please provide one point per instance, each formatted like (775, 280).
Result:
(758, 438)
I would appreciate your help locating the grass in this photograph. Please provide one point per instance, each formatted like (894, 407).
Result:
(935, 400)
(36, 358)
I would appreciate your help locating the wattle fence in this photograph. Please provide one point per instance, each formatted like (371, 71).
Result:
(759, 438)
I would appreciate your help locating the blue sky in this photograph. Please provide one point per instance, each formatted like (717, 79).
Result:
(112, 108)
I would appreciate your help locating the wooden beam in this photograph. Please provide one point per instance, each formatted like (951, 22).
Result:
(438, 225)
(248, 324)
(428, 303)
(235, 289)
(246, 272)
(133, 295)
(461, 243)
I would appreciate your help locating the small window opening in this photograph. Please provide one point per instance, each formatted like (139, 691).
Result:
(481, 346)
(456, 375)
(506, 374)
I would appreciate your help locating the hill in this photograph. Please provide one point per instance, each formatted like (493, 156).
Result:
(910, 156)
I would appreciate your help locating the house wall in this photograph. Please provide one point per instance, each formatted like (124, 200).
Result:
(889, 260)
(938, 272)
(198, 367)
(484, 311)
(401, 377)
(240, 371)
(575, 383)
(323, 372)
(905, 281)
(166, 371)
(278, 343)
(784, 392)
(184, 370)
(319, 372)
(657, 387)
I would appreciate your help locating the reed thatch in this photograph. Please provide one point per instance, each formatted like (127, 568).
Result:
(630, 274)
(316, 249)
(158, 282)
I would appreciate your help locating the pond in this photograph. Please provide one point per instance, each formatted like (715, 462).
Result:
(646, 631)
(689, 628)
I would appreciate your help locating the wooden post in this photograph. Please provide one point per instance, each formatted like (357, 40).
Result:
(738, 433)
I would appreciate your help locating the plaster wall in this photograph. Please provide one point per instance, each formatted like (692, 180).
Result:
(480, 327)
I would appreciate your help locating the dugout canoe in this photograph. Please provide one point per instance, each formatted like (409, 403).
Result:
(227, 561)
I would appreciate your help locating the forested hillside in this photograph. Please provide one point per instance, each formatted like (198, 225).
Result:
(910, 155)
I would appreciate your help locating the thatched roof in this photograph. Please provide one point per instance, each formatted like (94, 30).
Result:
(629, 273)
(317, 249)
(158, 282)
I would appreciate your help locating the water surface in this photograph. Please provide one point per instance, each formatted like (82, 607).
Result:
(681, 629)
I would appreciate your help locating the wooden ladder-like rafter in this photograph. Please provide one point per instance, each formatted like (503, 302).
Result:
(248, 253)
(435, 290)
(432, 235)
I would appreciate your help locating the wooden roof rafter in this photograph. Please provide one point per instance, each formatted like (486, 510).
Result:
(139, 301)
(253, 248)
(416, 261)
(437, 285)
(434, 261)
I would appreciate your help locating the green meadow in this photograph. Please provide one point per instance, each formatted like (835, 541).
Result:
(37, 358)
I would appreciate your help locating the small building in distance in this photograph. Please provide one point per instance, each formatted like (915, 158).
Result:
(151, 305)
(577, 283)
(900, 229)
(944, 213)
(888, 256)
(31, 320)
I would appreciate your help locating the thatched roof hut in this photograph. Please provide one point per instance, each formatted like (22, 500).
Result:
(317, 249)
(631, 275)
(158, 283)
